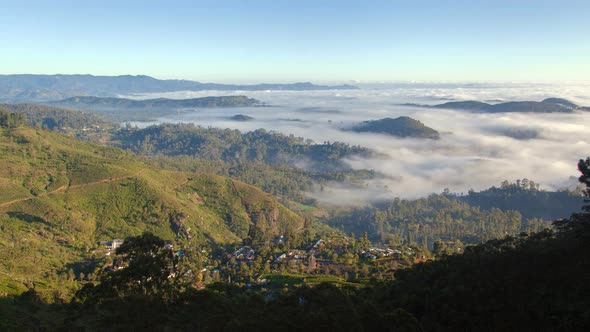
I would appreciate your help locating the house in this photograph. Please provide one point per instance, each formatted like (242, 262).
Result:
(112, 245)
(281, 258)
(116, 243)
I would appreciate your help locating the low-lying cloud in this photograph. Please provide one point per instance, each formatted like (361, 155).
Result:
(475, 151)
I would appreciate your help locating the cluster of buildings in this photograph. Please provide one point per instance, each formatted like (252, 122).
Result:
(247, 253)
(374, 253)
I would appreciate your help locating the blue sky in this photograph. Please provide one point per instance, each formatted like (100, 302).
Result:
(280, 40)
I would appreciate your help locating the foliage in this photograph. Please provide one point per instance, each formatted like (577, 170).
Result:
(402, 126)
(59, 197)
(527, 198)
(233, 147)
(11, 120)
(436, 217)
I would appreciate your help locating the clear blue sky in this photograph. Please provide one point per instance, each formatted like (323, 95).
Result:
(294, 40)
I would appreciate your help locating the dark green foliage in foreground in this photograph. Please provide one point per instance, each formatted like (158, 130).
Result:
(142, 267)
(527, 283)
(536, 282)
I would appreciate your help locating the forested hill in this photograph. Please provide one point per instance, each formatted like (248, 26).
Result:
(233, 147)
(402, 126)
(60, 119)
(84, 102)
(526, 197)
(55, 87)
(492, 213)
(549, 105)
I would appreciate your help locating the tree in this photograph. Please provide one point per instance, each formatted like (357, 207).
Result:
(12, 120)
(584, 168)
(577, 227)
(144, 266)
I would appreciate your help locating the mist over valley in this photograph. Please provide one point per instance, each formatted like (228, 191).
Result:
(475, 150)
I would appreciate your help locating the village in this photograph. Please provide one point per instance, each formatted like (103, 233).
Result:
(338, 256)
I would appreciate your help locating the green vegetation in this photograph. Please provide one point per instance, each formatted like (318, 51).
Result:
(305, 279)
(208, 252)
(233, 147)
(123, 103)
(285, 166)
(83, 125)
(549, 105)
(11, 120)
(59, 197)
(402, 126)
(525, 197)
(530, 283)
(436, 217)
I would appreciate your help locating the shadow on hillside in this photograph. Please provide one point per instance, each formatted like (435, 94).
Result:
(27, 217)
(85, 266)
(28, 312)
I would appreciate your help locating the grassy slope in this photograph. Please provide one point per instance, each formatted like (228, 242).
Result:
(59, 196)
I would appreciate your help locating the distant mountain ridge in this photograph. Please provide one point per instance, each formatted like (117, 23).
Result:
(549, 105)
(402, 126)
(111, 102)
(55, 87)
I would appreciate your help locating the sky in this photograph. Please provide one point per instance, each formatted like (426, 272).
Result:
(285, 41)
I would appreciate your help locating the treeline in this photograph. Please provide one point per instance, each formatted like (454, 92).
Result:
(436, 217)
(526, 197)
(83, 125)
(233, 147)
(11, 120)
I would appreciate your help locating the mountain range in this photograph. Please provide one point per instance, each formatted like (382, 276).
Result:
(29, 87)
(88, 102)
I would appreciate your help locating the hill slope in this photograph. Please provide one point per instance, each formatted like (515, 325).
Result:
(60, 196)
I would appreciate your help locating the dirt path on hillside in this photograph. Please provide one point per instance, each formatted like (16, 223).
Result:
(64, 188)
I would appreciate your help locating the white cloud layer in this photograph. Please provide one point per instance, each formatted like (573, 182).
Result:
(473, 151)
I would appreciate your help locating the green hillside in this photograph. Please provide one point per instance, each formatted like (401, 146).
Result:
(402, 126)
(59, 197)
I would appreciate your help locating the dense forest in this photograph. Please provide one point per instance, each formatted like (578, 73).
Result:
(526, 197)
(234, 147)
(436, 217)
(402, 126)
